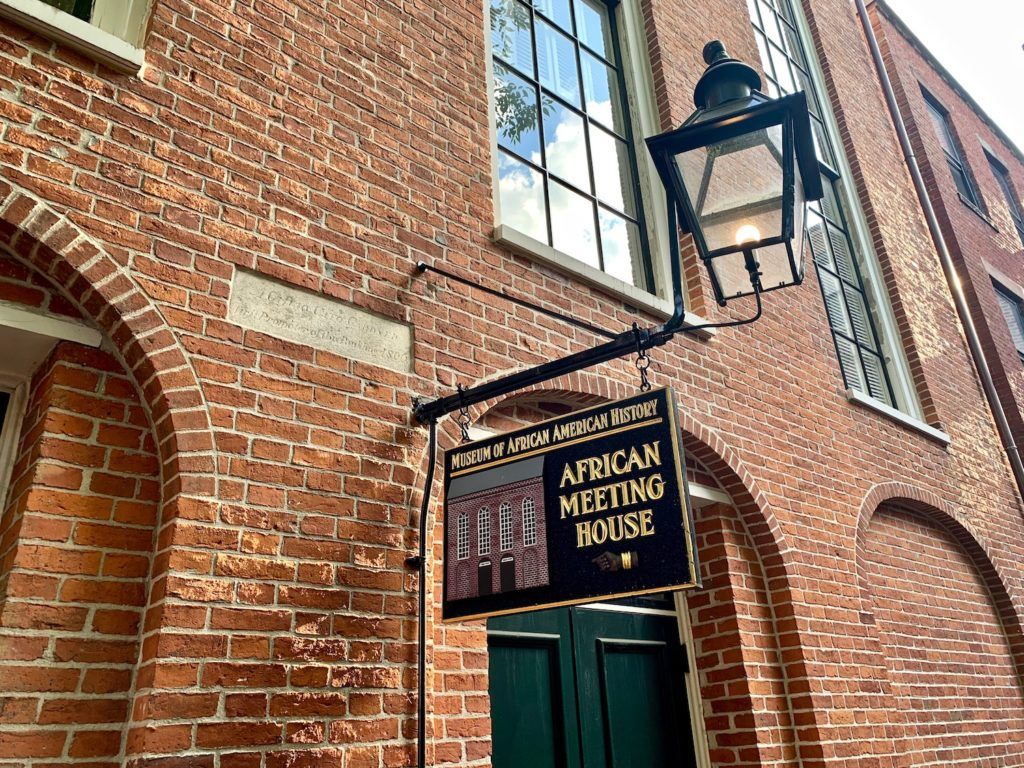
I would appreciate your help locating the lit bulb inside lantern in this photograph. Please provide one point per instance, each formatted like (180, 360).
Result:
(748, 233)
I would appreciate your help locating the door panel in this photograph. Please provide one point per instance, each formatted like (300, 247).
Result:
(631, 693)
(533, 696)
(508, 574)
(586, 688)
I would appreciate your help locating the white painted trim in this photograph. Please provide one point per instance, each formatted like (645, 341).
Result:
(898, 416)
(702, 495)
(104, 47)
(16, 316)
(630, 294)
(127, 23)
(692, 683)
(10, 431)
(889, 340)
(1003, 280)
(636, 609)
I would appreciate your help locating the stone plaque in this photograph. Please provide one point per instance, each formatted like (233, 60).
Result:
(270, 307)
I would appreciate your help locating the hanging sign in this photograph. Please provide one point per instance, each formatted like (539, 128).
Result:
(579, 508)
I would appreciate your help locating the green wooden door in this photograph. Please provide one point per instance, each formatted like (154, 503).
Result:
(588, 688)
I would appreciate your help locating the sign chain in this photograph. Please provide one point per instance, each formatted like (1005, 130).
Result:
(643, 361)
(463, 416)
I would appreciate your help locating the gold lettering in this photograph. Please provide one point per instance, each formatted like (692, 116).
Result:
(646, 524)
(570, 505)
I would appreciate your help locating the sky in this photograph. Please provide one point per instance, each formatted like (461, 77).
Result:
(979, 43)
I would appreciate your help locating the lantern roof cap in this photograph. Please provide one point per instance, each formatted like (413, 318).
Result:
(725, 79)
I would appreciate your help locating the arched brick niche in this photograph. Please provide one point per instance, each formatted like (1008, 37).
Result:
(737, 617)
(947, 634)
(77, 535)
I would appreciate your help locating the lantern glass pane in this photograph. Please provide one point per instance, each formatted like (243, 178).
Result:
(777, 267)
(735, 187)
(732, 275)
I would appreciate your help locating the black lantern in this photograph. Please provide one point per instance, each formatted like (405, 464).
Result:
(740, 171)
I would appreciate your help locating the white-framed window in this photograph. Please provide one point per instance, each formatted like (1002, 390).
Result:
(1006, 185)
(529, 522)
(571, 100)
(1012, 307)
(483, 528)
(863, 327)
(462, 537)
(110, 31)
(507, 539)
(958, 168)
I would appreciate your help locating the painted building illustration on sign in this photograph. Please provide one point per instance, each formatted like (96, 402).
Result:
(497, 536)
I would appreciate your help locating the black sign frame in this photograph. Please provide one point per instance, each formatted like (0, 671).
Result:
(506, 488)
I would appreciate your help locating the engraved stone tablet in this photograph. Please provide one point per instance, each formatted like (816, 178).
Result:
(264, 305)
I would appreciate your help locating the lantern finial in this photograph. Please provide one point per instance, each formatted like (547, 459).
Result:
(714, 52)
(724, 80)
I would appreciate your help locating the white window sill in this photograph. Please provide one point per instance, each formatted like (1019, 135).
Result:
(629, 294)
(65, 29)
(898, 416)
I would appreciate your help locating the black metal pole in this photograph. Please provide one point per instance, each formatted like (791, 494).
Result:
(420, 562)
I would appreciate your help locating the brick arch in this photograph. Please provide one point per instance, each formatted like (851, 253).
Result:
(943, 514)
(752, 509)
(905, 505)
(102, 288)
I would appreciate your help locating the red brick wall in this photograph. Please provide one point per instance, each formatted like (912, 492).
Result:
(952, 671)
(77, 536)
(981, 242)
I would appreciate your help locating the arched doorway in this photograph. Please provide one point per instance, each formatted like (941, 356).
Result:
(606, 684)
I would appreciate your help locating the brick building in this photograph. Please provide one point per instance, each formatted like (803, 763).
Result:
(498, 539)
(974, 173)
(212, 331)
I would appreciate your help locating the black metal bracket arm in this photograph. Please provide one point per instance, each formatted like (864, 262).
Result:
(635, 339)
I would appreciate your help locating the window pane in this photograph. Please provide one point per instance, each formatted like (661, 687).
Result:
(563, 137)
(484, 531)
(556, 10)
(612, 175)
(572, 224)
(1012, 312)
(849, 361)
(874, 374)
(510, 34)
(515, 114)
(960, 180)
(593, 27)
(565, 144)
(521, 195)
(620, 243)
(5, 401)
(941, 129)
(602, 93)
(80, 8)
(786, 57)
(556, 61)
(832, 290)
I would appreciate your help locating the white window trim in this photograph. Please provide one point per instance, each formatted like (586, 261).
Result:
(644, 116)
(854, 396)
(10, 431)
(889, 337)
(109, 39)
